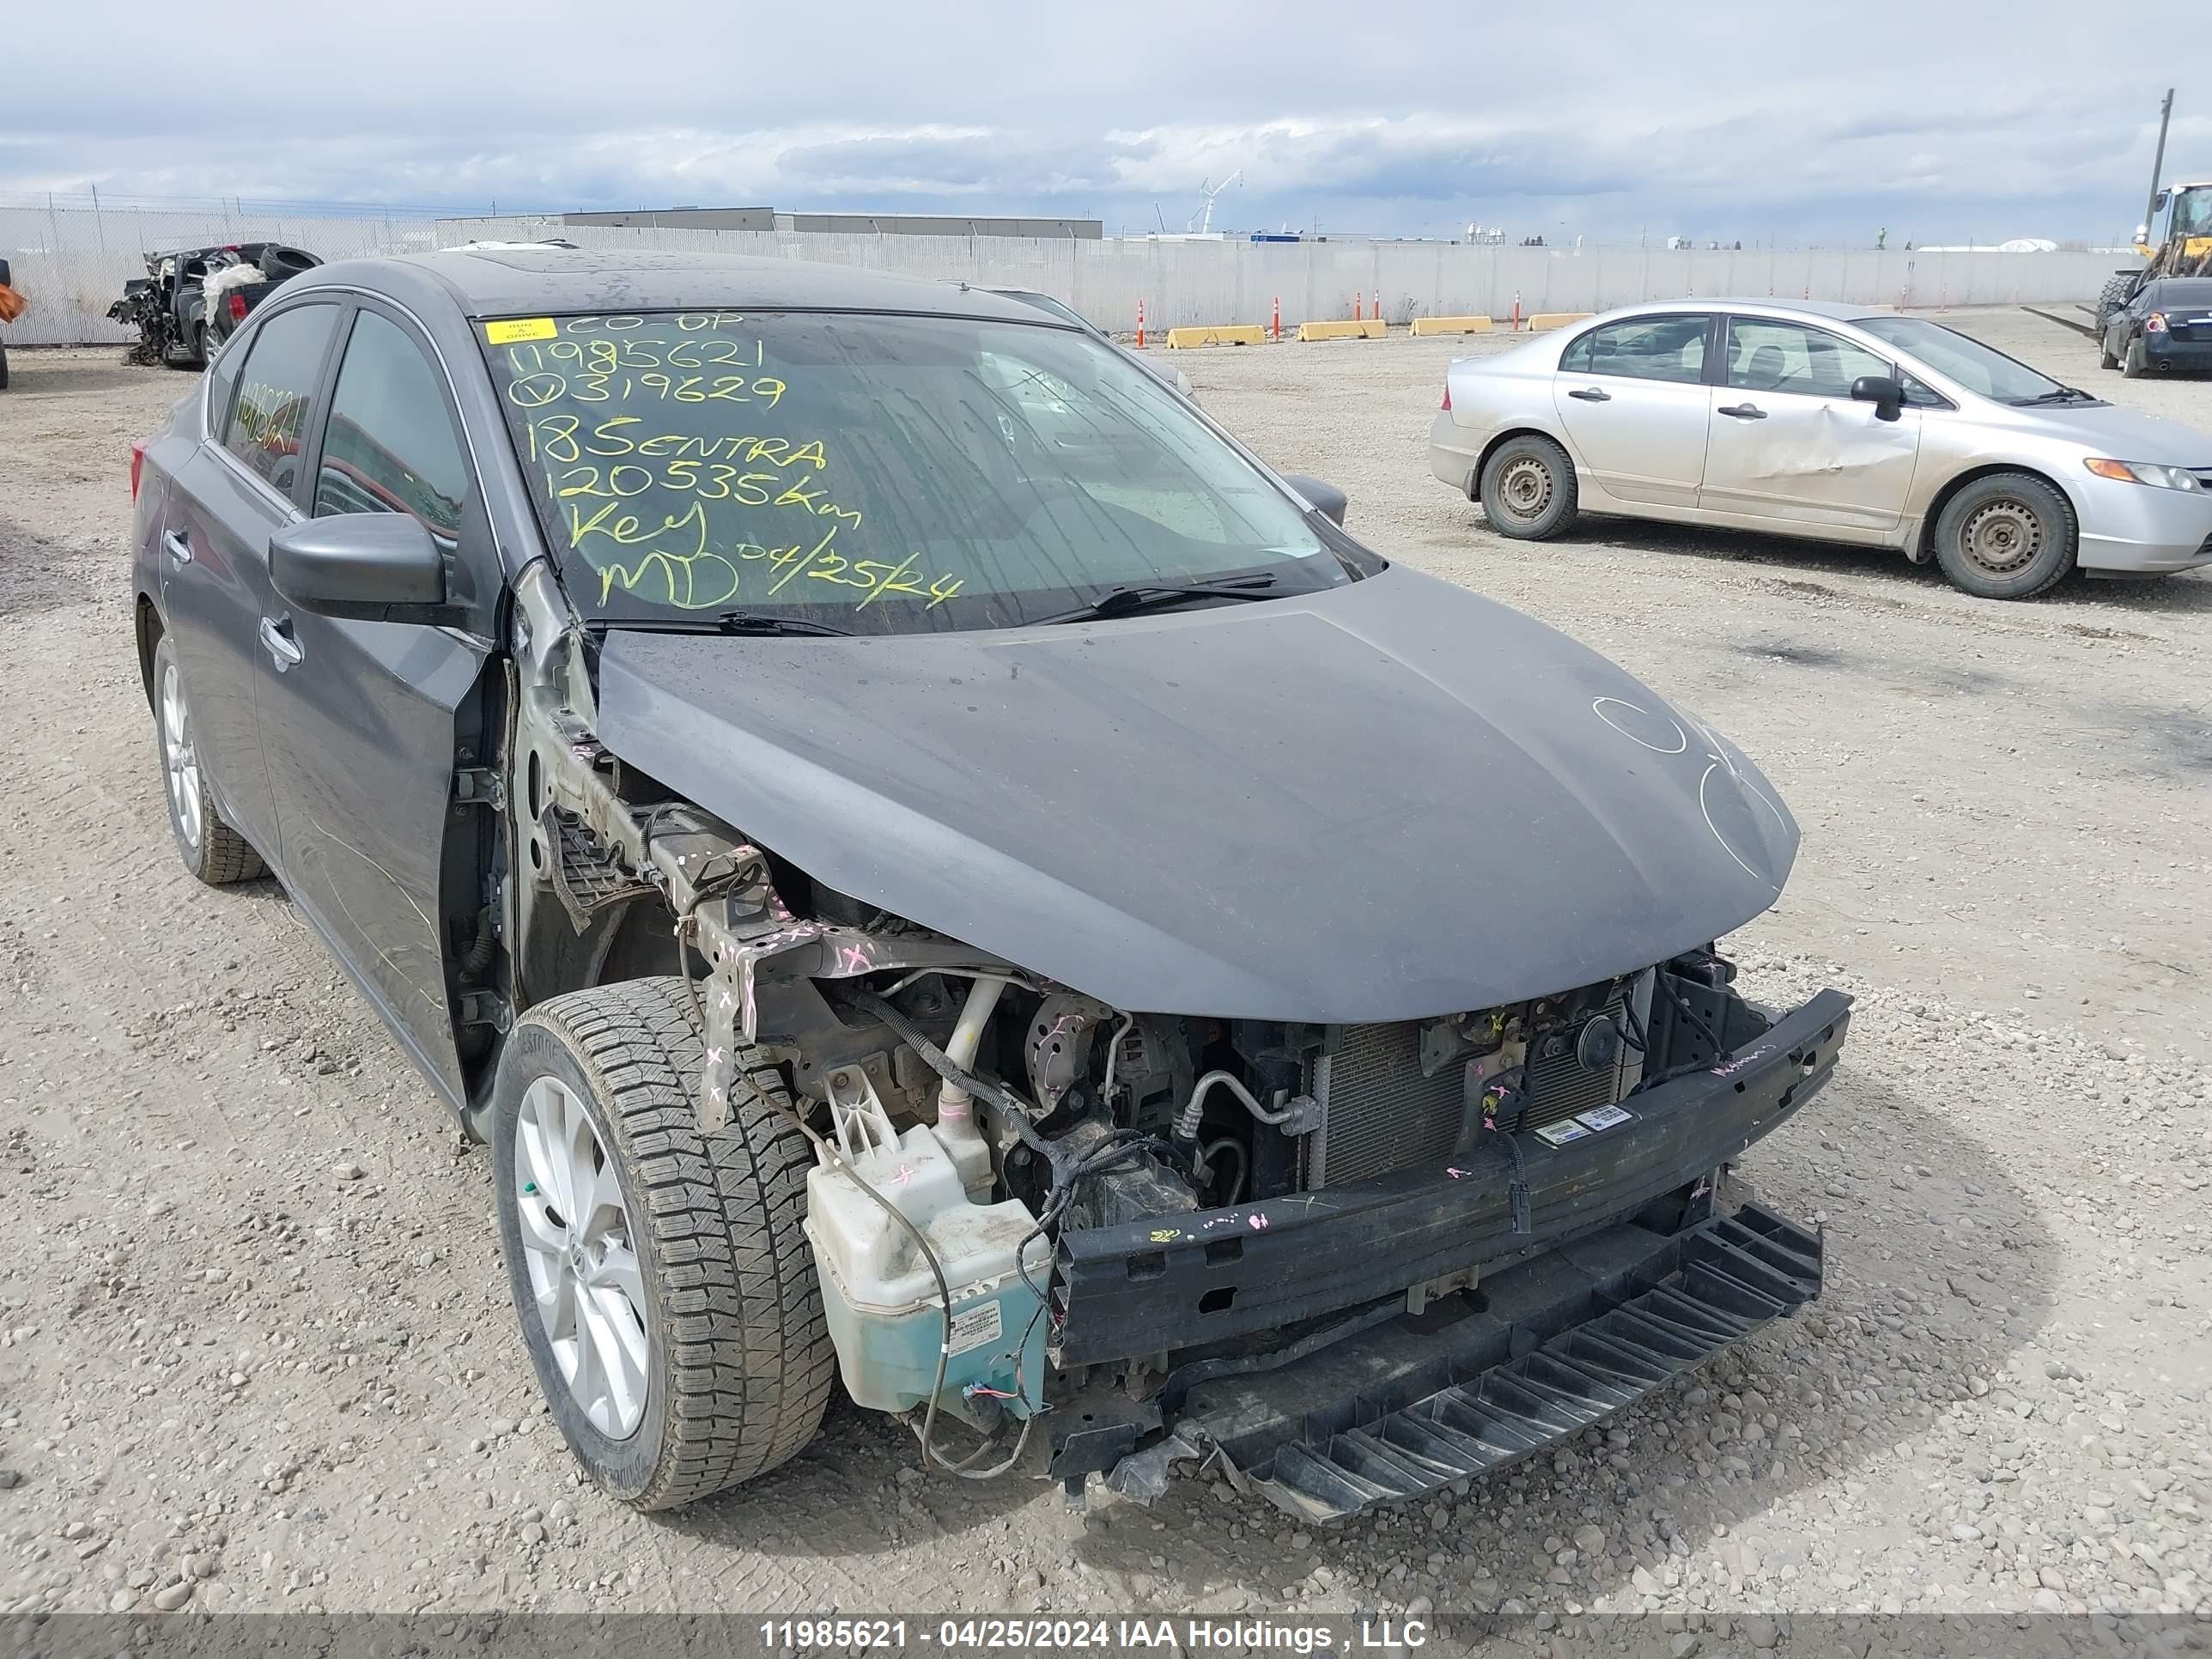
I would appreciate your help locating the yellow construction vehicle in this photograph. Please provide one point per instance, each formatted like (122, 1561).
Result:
(2185, 247)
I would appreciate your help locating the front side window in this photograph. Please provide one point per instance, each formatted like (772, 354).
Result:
(877, 473)
(1770, 356)
(269, 414)
(1642, 348)
(390, 445)
(1964, 361)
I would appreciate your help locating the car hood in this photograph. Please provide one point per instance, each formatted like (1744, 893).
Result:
(2121, 434)
(1387, 801)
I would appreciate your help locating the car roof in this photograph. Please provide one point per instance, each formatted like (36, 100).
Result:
(1834, 310)
(508, 281)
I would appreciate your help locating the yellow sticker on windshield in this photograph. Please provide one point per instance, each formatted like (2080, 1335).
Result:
(519, 329)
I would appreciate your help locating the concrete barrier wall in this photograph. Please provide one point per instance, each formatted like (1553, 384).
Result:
(73, 262)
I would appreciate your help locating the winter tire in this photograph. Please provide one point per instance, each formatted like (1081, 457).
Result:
(667, 1295)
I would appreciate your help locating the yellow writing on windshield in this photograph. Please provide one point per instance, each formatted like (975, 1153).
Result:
(661, 497)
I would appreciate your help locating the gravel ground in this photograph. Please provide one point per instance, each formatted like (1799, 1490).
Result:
(256, 1351)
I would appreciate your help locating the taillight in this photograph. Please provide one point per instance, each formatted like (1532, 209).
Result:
(237, 306)
(138, 465)
(2156, 322)
(1446, 404)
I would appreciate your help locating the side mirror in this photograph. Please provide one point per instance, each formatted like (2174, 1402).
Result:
(364, 567)
(1885, 394)
(1325, 499)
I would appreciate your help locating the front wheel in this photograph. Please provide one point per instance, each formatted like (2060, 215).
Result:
(2008, 536)
(668, 1297)
(1528, 488)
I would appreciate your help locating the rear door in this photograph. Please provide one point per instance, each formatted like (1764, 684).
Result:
(1789, 443)
(359, 719)
(232, 493)
(1632, 396)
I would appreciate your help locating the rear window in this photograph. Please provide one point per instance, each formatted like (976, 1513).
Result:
(2189, 291)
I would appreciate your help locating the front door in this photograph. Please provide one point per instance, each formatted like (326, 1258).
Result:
(359, 718)
(1788, 442)
(235, 492)
(1632, 396)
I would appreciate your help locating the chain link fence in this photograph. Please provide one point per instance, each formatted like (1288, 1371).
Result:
(72, 261)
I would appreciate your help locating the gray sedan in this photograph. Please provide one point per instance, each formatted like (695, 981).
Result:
(934, 870)
(1830, 422)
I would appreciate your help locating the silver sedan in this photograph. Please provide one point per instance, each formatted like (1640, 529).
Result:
(1828, 422)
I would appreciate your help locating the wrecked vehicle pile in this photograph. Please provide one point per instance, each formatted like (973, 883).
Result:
(190, 301)
(932, 866)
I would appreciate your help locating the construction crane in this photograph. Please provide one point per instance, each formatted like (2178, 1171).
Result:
(1201, 223)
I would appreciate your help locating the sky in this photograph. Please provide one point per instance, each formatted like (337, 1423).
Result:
(1614, 119)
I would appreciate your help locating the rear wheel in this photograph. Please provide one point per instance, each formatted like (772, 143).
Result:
(667, 1295)
(200, 342)
(3, 368)
(2135, 365)
(2106, 358)
(210, 849)
(1528, 488)
(2009, 535)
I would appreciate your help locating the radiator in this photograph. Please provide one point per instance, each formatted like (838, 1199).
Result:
(1557, 1086)
(1383, 1115)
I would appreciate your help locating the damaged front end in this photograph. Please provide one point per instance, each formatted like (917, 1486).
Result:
(1342, 1262)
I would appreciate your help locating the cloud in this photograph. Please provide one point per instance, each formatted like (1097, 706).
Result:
(1742, 121)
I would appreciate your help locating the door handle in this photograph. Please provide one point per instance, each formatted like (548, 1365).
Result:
(276, 639)
(1742, 411)
(179, 548)
(1590, 394)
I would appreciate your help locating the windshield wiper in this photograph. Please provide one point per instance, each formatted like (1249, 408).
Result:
(725, 622)
(1144, 596)
(2063, 394)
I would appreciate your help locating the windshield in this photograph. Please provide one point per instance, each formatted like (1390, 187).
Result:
(1968, 361)
(880, 473)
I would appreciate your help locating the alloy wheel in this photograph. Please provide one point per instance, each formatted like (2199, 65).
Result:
(584, 1278)
(180, 760)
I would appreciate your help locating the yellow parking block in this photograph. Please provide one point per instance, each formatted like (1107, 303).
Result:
(1544, 319)
(1365, 328)
(1451, 324)
(1219, 334)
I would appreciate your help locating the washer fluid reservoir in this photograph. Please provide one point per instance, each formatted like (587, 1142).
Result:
(881, 1300)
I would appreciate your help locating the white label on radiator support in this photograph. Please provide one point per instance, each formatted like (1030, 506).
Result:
(1559, 1134)
(974, 1326)
(1604, 1117)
